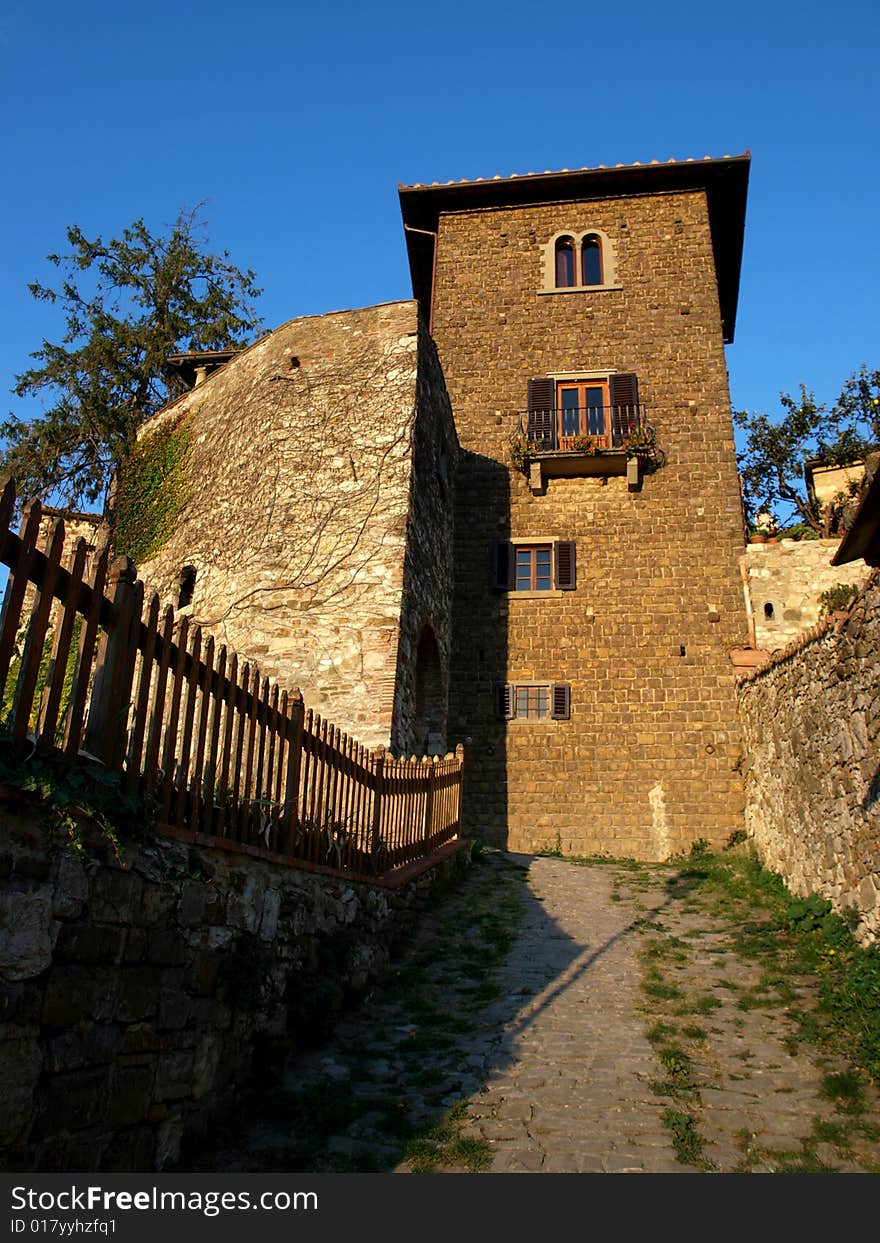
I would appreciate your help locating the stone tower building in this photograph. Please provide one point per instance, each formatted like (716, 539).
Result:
(580, 319)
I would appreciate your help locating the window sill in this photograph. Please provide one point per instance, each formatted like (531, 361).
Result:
(536, 595)
(580, 289)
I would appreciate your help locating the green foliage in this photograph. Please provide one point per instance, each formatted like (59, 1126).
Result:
(44, 677)
(686, 1139)
(807, 914)
(772, 462)
(443, 1145)
(127, 305)
(76, 796)
(836, 598)
(522, 451)
(153, 489)
(797, 938)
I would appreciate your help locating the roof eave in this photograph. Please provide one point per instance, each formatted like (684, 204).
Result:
(724, 180)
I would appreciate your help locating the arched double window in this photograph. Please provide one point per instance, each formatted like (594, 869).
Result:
(579, 261)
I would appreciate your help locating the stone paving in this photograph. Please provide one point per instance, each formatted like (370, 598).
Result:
(557, 1071)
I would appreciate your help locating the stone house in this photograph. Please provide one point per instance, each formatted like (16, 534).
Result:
(313, 530)
(573, 624)
(581, 319)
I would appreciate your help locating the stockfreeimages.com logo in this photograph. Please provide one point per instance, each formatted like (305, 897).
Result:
(208, 1203)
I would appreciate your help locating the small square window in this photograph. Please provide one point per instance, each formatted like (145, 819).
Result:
(534, 701)
(533, 566)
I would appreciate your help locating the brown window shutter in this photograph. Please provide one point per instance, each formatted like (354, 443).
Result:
(505, 703)
(542, 393)
(624, 389)
(623, 393)
(502, 565)
(542, 412)
(566, 565)
(560, 694)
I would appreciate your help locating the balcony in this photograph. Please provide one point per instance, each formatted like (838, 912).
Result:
(591, 440)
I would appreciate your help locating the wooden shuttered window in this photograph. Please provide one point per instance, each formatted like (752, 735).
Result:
(502, 569)
(543, 416)
(521, 700)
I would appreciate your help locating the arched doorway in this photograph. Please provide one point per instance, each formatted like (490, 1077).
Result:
(429, 725)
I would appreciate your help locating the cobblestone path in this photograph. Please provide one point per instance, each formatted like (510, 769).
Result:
(618, 1031)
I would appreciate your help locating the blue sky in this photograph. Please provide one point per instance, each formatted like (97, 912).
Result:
(294, 124)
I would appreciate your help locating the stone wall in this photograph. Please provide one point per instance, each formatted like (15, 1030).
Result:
(422, 689)
(811, 721)
(785, 581)
(135, 995)
(648, 761)
(297, 511)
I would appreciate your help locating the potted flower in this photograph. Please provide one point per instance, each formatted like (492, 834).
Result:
(640, 440)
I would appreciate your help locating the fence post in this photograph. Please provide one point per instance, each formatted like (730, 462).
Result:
(459, 755)
(429, 799)
(113, 660)
(378, 773)
(296, 718)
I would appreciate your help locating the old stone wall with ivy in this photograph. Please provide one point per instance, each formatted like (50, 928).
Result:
(280, 489)
(811, 721)
(138, 992)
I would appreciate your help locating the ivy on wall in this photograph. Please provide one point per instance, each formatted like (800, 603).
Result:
(153, 490)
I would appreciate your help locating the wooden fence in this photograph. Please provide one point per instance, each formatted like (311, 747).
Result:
(230, 759)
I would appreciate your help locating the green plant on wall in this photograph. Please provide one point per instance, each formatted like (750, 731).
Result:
(837, 598)
(153, 490)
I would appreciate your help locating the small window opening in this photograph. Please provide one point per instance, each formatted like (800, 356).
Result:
(565, 263)
(294, 362)
(768, 611)
(682, 651)
(591, 259)
(186, 586)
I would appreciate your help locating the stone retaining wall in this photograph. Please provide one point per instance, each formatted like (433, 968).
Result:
(811, 721)
(136, 994)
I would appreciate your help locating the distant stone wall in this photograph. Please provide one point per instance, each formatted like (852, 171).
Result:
(811, 721)
(785, 582)
(297, 506)
(136, 995)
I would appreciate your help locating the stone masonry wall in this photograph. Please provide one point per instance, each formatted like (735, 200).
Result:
(811, 721)
(421, 706)
(296, 517)
(649, 760)
(136, 995)
(785, 582)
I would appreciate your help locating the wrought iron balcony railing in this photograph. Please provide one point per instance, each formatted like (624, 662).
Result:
(585, 429)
